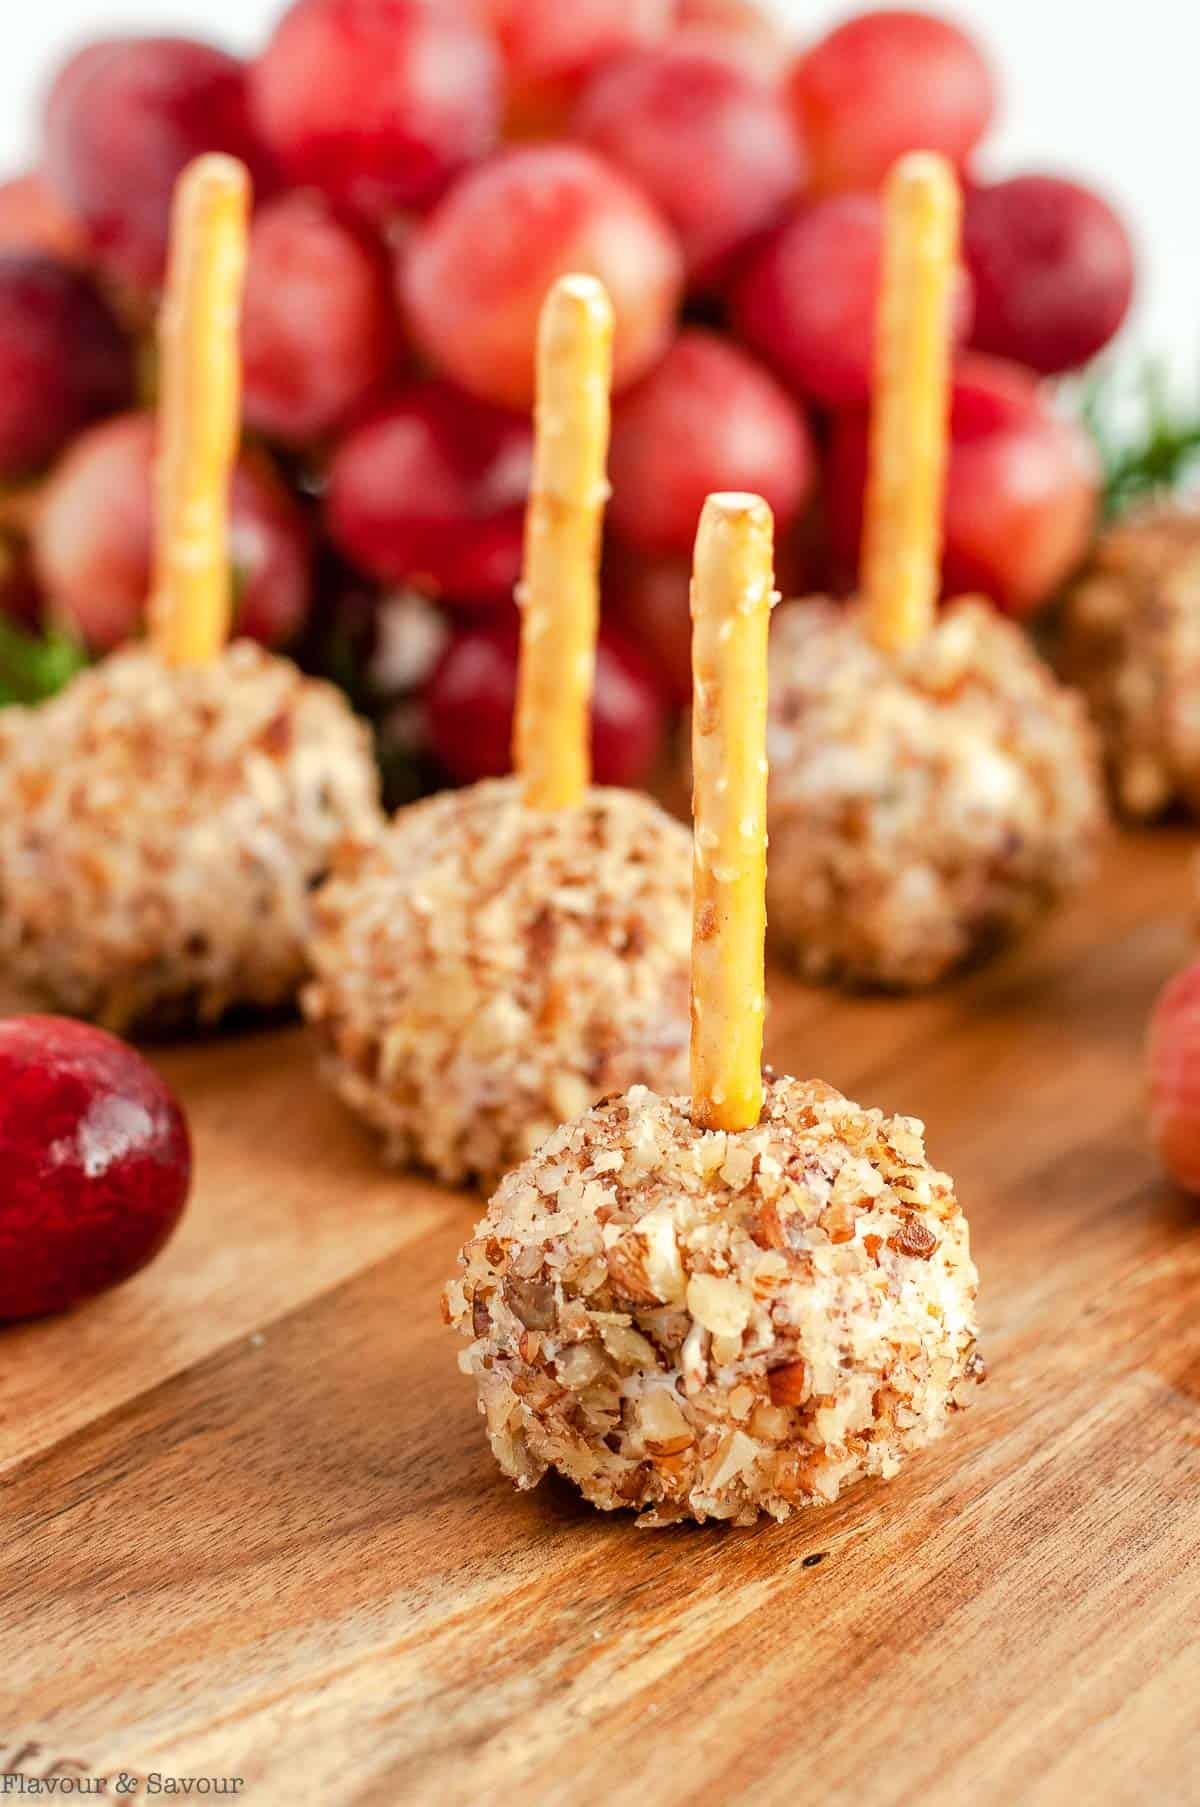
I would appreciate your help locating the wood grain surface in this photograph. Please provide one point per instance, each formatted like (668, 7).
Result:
(251, 1529)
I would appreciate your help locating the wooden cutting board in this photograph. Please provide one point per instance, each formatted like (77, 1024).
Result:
(251, 1529)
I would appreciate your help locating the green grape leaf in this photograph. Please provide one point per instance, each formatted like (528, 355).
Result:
(1148, 440)
(34, 667)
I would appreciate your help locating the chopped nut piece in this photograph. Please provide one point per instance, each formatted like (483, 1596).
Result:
(628, 1348)
(532, 1301)
(720, 1305)
(661, 1422)
(644, 1264)
(837, 1221)
(915, 1238)
(788, 1385)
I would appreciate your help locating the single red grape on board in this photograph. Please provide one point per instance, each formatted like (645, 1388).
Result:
(1173, 1076)
(95, 1164)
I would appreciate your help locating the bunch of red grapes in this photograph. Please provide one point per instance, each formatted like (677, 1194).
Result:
(424, 170)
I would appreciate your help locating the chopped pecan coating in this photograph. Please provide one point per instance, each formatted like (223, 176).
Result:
(738, 1323)
(162, 828)
(919, 812)
(485, 971)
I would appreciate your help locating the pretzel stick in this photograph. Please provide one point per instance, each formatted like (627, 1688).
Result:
(903, 530)
(559, 591)
(190, 615)
(732, 594)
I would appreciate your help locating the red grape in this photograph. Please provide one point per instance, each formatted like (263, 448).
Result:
(430, 489)
(31, 219)
(629, 712)
(708, 418)
(477, 271)
(1052, 267)
(318, 325)
(94, 535)
(650, 598)
(92, 538)
(95, 1164)
(123, 119)
(1021, 490)
(20, 599)
(552, 48)
(1173, 1072)
(63, 359)
(470, 697)
(885, 83)
(709, 142)
(738, 29)
(270, 545)
(378, 102)
(807, 302)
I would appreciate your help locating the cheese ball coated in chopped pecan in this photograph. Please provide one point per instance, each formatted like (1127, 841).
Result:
(161, 829)
(922, 809)
(1129, 638)
(702, 1324)
(486, 971)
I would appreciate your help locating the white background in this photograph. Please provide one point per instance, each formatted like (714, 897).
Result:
(1106, 92)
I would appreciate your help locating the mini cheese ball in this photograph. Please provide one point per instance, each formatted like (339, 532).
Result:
(509, 953)
(739, 1301)
(1129, 640)
(163, 821)
(485, 971)
(162, 828)
(924, 807)
(933, 788)
(710, 1324)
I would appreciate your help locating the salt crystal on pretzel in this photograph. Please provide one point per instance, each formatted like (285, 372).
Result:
(560, 586)
(199, 409)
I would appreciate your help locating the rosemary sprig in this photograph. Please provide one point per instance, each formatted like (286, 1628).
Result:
(34, 667)
(1149, 442)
